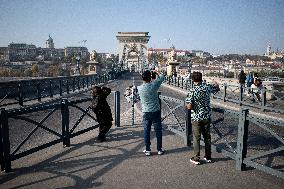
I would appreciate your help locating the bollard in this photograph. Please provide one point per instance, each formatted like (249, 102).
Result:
(20, 92)
(241, 94)
(60, 87)
(78, 83)
(1, 145)
(87, 82)
(188, 128)
(178, 81)
(242, 139)
(38, 92)
(117, 108)
(67, 86)
(50, 89)
(65, 122)
(83, 82)
(263, 99)
(225, 92)
(73, 84)
(182, 82)
(5, 141)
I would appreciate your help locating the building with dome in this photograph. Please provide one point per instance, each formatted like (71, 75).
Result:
(49, 43)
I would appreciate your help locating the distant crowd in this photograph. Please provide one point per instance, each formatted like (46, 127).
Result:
(253, 84)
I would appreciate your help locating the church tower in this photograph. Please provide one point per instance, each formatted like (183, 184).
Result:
(268, 49)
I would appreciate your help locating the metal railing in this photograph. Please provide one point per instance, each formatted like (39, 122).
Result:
(240, 94)
(174, 116)
(67, 129)
(235, 142)
(19, 92)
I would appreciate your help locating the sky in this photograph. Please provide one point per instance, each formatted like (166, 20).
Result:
(215, 26)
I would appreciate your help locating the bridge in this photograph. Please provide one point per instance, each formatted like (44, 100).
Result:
(245, 137)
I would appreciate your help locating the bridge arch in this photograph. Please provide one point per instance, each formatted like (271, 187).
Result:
(132, 47)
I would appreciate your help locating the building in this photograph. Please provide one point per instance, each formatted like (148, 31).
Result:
(50, 53)
(273, 54)
(4, 54)
(166, 52)
(201, 53)
(71, 51)
(49, 43)
(21, 51)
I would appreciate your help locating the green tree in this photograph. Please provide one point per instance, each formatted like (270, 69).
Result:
(28, 73)
(35, 70)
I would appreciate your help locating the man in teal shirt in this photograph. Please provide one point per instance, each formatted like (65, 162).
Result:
(148, 93)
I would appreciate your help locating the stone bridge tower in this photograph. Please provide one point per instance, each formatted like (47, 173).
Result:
(132, 49)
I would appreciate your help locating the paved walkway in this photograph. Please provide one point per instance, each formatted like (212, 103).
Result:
(120, 163)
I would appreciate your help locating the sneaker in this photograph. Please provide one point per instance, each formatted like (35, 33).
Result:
(207, 160)
(147, 153)
(195, 160)
(161, 152)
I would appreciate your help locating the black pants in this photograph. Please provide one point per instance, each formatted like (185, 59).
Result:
(104, 127)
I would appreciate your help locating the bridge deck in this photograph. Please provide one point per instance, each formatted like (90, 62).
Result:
(120, 163)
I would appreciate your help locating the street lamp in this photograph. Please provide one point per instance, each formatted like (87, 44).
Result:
(77, 71)
(189, 65)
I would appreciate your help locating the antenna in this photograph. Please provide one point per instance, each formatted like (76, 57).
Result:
(83, 41)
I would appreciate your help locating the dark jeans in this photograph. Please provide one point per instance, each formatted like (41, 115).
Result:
(154, 118)
(198, 128)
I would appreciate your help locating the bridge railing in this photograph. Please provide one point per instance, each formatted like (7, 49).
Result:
(20, 92)
(250, 140)
(26, 130)
(240, 94)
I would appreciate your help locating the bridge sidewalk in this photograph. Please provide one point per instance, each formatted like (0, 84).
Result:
(120, 163)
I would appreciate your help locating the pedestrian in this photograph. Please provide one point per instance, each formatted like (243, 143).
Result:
(257, 88)
(198, 101)
(148, 93)
(102, 110)
(242, 77)
(249, 81)
(255, 77)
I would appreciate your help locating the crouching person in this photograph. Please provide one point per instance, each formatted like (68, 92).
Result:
(102, 110)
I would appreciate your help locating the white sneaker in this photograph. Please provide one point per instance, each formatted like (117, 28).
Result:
(161, 152)
(207, 160)
(147, 153)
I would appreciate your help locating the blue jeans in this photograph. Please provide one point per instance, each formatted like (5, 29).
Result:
(148, 119)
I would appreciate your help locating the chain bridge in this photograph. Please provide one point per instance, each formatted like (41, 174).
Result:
(48, 136)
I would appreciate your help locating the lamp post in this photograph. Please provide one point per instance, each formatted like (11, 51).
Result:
(189, 65)
(77, 71)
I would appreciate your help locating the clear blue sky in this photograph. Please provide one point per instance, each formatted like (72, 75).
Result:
(216, 26)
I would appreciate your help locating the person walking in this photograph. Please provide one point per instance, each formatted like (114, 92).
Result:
(198, 101)
(148, 93)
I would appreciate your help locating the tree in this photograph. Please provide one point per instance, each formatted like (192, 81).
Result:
(28, 73)
(35, 70)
